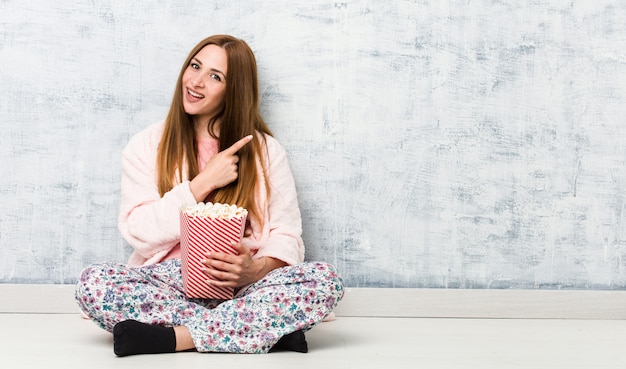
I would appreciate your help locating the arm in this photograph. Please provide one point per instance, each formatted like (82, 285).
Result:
(147, 221)
(284, 221)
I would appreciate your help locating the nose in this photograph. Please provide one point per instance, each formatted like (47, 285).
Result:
(197, 80)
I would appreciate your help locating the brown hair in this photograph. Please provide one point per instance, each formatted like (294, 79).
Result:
(239, 116)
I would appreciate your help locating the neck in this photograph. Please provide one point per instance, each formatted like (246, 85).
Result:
(202, 128)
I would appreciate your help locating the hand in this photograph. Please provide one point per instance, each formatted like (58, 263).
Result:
(219, 171)
(234, 270)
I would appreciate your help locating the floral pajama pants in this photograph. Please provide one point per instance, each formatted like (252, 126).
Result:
(288, 299)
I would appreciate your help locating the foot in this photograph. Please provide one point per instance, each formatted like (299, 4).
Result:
(131, 337)
(292, 342)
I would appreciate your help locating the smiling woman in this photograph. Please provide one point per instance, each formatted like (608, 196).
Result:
(204, 84)
(213, 146)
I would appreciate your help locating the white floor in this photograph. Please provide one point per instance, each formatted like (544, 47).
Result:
(66, 341)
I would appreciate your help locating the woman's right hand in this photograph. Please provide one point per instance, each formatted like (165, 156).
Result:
(219, 171)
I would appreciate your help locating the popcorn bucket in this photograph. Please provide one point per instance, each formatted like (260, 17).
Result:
(199, 235)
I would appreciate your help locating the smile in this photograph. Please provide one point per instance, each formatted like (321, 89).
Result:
(195, 94)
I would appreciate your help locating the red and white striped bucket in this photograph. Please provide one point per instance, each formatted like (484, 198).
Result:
(199, 235)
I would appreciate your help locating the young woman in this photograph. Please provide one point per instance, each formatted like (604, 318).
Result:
(213, 146)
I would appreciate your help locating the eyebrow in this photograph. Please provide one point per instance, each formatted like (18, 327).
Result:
(211, 69)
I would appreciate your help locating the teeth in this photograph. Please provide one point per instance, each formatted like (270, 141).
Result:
(195, 94)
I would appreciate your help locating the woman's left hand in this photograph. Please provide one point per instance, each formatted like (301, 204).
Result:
(234, 270)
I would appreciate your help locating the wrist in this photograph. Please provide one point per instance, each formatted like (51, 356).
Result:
(269, 263)
(261, 268)
(199, 188)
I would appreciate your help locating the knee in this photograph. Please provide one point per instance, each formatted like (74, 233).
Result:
(327, 275)
(330, 273)
(89, 285)
(90, 275)
(85, 283)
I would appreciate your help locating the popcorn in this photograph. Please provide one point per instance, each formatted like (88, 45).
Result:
(216, 211)
(208, 228)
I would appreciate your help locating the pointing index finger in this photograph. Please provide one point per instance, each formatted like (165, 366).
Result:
(238, 145)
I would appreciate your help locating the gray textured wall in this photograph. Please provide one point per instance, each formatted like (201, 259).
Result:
(469, 144)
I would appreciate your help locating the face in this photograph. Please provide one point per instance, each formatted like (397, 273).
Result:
(204, 83)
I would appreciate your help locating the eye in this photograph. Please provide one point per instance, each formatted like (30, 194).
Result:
(215, 77)
(194, 65)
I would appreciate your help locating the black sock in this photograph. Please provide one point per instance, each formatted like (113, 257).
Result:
(131, 337)
(292, 342)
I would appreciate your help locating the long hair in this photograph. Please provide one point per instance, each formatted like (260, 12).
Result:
(239, 116)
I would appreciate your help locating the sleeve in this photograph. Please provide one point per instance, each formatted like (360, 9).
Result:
(147, 221)
(283, 213)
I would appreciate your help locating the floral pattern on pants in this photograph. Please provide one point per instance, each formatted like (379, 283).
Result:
(287, 299)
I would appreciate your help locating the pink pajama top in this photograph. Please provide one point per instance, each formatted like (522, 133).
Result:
(150, 223)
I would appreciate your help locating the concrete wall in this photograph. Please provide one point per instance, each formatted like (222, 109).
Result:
(444, 144)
